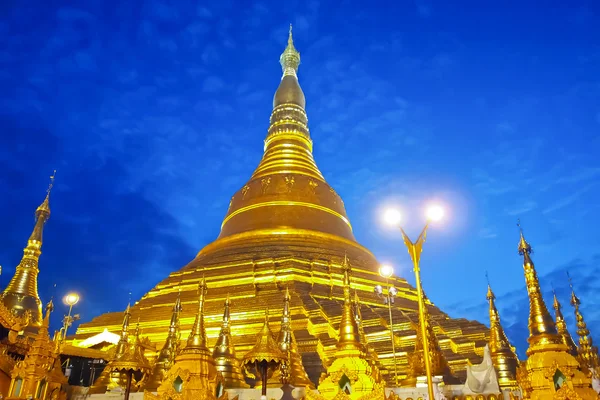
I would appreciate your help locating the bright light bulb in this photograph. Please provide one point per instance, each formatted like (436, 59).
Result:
(386, 271)
(435, 213)
(392, 216)
(71, 299)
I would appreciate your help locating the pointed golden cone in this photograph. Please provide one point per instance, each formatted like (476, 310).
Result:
(587, 353)
(288, 345)
(166, 356)
(266, 347)
(21, 294)
(194, 374)
(542, 329)
(349, 341)
(224, 354)
(561, 327)
(370, 351)
(503, 356)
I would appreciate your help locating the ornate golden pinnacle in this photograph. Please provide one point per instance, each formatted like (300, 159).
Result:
(290, 58)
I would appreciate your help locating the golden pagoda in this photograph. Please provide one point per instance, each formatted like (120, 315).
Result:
(128, 367)
(287, 227)
(503, 356)
(416, 362)
(166, 356)
(287, 344)
(21, 296)
(587, 353)
(194, 375)
(224, 354)
(351, 375)
(39, 374)
(550, 372)
(561, 327)
(363, 337)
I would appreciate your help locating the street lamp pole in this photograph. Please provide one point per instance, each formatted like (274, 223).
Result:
(386, 271)
(415, 249)
(70, 299)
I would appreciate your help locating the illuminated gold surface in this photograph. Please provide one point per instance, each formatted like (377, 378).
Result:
(40, 370)
(167, 354)
(224, 354)
(351, 375)
(547, 354)
(21, 294)
(194, 375)
(503, 356)
(587, 353)
(288, 227)
(561, 328)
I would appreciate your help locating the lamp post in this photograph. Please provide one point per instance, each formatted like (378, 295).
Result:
(70, 299)
(386, 271)
(393, 217)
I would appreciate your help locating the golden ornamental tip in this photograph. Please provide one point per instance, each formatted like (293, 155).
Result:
(290, 58)
(490, 293)
(524, 246)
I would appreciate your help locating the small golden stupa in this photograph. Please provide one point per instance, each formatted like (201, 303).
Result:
(39, 374)
(587, 353)
(550, 371)
(166, 357)
(352, 374)
(194, 374)
(561, 327)
(224, 354)
(502, 353)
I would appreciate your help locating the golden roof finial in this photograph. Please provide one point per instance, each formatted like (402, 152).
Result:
(124, 339)
(197, 338)
(543, 335)
(290, 58)
(45, 206)
(504, 358)
(561, 326)
(224, 352)
(587, 353)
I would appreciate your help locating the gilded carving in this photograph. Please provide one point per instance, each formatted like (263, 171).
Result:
(265, 182)
(313, 185)
(289, 183)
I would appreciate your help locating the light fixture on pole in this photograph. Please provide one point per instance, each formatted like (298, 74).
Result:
(70, 299)
(393, 217)
(387, 271)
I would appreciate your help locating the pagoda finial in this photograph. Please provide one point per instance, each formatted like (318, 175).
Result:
(504, 358)
(224, 352)
(561, 326)
(21, 294)
(290, 58)
(587, 353)
(349, 340)
(124, 339)
(543, 335)
(197, 338)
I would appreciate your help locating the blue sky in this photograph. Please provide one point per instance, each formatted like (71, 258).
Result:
(155, 115)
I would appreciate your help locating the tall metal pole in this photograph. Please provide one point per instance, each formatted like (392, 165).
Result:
(414, 249)
(389, 301)
(67, 322)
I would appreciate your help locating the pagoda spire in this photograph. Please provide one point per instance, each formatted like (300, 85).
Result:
(561, 326)
(197, 338)
(503, 356)
(124, 336)
(543, 335)
(166, 356)
(349, 340)
(287, 344)
(587, 353)
(21, 295)
(224, 353)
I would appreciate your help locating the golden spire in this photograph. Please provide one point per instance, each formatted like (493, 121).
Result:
(288, 345)
(542, 329)
(587, 353)
(197, 338)
(561, 327)
(266, 348)
(21, 294)
(349, 340)
(287, 182)
(124, 339)
(290, 58)
(166, 356)
(224, 353)
(503, 356)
